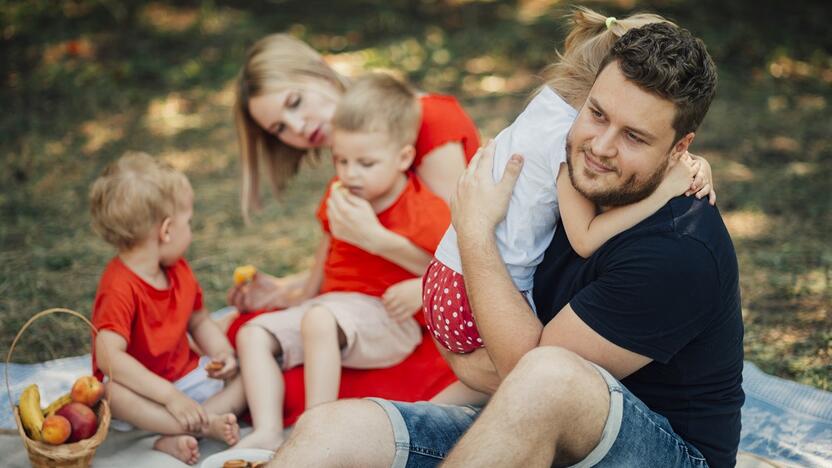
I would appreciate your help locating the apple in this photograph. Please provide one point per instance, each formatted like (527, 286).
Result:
(56, 429)
(83, 420)
(87, 390)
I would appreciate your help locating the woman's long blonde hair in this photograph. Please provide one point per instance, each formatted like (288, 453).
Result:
(273, 64)
(586, 45)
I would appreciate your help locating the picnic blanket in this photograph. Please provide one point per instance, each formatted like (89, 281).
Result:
(782, 421)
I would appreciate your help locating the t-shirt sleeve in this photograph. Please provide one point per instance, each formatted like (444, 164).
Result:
(114, 311)
(444, 121)
(652, 297)
(190, 276)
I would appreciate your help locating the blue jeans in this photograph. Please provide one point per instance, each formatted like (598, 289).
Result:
(633, 435)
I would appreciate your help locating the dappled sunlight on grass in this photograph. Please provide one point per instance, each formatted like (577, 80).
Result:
(747, 224)
(172, 114)
(166, 18)
(102, 131)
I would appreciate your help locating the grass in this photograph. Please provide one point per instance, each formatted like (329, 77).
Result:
(84, 81)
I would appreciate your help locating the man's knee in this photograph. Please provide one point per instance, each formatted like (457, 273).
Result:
(329, 421)
(555, 370)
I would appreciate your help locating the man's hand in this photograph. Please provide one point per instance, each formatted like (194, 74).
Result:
(403, 299)
(190, 414)
(479, 203)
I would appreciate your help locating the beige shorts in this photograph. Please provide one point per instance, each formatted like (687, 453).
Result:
(373, 339)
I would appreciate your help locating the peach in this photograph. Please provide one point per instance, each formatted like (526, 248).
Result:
(87, 390)
(56, 429)
(83, 420)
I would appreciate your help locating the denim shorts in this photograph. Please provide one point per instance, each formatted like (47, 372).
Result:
(633, 435)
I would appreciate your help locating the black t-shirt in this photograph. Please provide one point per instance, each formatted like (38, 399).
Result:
(667, 289)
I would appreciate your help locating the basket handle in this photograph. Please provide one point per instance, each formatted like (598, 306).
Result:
(36, 317)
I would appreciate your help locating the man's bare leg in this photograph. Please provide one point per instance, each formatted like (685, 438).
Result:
(552, 407)
(345, 433)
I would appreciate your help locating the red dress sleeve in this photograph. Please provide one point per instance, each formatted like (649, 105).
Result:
(444, 121)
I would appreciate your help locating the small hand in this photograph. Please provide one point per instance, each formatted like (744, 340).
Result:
(403, 299)
(229, 366)
(678, 179)
(190, 414)
(352, 219)
(262, 292)
(703, 182)
(479, 203)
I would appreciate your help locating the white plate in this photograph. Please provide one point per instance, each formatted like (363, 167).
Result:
(248, 454)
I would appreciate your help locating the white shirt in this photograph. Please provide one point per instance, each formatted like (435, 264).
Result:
(539, 135)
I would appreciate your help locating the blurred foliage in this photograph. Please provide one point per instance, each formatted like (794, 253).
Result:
(85, 80)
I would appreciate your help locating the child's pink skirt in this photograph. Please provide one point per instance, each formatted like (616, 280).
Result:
(448, 314)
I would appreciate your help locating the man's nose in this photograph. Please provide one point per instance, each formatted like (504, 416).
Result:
(604, 144)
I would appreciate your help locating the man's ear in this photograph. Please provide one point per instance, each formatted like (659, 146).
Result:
(681, 146)
(164, 230)
(406, 156)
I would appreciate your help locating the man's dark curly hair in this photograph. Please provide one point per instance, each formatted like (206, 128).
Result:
(668, 61)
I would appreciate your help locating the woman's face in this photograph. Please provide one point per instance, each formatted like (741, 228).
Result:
(299, 117)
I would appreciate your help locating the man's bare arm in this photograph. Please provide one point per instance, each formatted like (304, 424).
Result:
(568, 331)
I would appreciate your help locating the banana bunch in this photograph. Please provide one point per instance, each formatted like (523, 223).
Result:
(30, 413)
(59, 403)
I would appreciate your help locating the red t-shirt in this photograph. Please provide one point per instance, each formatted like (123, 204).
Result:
(154, 322)
(417, 215)
(444, 121)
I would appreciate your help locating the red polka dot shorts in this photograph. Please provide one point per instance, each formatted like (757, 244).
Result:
(447, 312)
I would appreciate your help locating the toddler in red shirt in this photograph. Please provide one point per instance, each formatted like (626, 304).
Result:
(148, 302)
(339, 317)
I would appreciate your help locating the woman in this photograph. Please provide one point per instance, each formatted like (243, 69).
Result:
(286, 98)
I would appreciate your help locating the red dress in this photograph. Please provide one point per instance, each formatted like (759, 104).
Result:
(424, 373)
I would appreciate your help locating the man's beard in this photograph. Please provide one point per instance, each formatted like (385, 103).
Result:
(631, 191)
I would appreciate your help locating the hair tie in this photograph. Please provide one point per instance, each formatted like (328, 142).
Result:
(610, 21)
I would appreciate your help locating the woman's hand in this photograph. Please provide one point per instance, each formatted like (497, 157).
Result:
(479, 203)
(352, 220)
(404, 299)
(262, 292)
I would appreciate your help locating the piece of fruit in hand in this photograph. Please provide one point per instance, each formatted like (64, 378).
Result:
(214, 366)
(244, 274)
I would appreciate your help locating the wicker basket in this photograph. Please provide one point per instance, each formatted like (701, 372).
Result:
(77, 454)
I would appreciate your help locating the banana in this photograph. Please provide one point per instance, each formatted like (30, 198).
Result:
(30, 413)
(57, 404)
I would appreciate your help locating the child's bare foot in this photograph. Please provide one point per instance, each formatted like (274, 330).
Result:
(223, 427)
(264, 439)
(183, 447)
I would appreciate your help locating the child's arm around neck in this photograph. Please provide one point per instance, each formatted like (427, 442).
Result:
(588, 230)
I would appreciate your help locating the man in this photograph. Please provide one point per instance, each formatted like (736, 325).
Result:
(635, 358)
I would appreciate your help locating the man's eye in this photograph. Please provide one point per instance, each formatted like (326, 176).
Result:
(633, 137)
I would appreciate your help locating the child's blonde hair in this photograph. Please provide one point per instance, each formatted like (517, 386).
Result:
(586, 45)
(273, 64)
(377, 102)
(134, 194)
